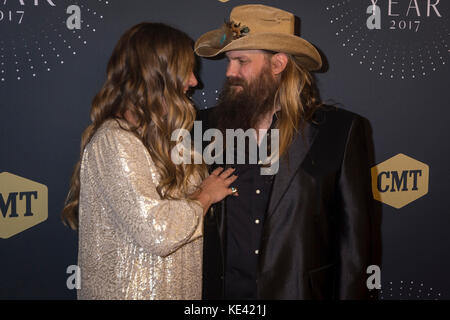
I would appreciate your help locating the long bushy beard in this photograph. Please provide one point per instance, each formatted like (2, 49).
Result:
(244, 109)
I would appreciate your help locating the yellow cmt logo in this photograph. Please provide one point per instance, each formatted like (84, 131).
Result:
(399, 180)
(23, 204)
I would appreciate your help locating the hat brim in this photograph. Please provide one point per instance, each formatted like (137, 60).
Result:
(305, 53)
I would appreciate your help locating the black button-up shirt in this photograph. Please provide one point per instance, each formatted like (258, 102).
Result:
(245, 220)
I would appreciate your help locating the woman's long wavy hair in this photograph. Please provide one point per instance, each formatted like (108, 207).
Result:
(146, 76)
(298, 98)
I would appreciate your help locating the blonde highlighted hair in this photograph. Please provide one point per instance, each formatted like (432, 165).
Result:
(146, 76)
(298, 98)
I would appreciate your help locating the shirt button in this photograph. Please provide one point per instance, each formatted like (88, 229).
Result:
(257, 221)
(256, 251)
(258, 191)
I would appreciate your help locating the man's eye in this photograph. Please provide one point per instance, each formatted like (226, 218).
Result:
(242, 61)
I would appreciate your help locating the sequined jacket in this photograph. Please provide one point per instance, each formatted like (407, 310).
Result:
(132, 244)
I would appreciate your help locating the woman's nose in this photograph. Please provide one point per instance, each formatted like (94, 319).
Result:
(193, 80)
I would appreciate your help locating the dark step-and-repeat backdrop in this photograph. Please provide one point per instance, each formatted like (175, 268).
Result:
(385, 60)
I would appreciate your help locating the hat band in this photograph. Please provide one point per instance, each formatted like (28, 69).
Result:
(233, 31)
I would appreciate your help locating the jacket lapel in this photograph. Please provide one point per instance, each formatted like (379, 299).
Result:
(289, 164)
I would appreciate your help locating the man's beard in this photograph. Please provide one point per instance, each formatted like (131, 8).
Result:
(244, 109)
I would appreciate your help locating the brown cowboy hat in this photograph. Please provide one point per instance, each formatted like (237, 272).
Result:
(259, 27)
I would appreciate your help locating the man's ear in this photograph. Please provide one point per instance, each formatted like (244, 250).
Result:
(279, 62)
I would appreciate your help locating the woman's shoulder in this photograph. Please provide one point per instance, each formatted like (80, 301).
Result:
(116, 149)
(114, 131)
(114, 126)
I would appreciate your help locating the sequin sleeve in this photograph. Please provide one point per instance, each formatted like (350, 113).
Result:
(126, 177)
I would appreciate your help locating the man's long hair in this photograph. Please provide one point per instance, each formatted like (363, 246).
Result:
(298, 98)
(146, 76)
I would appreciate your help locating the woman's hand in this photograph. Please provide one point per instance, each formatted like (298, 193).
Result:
(215, 187)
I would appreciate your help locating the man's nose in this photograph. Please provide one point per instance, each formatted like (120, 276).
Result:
(231, 70)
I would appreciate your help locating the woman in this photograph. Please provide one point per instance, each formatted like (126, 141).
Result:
(140, 216)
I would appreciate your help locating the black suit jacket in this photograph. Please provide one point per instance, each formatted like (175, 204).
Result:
(317, 237)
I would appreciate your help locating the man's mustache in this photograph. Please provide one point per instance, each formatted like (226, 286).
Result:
(233, 81)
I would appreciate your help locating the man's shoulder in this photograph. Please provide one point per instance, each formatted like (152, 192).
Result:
(334, 124)
(333, 116)
(333, 112)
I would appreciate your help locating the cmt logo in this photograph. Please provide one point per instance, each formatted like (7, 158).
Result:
(399, 180)
(23, 204)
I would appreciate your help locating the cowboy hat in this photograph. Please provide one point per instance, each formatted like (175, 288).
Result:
(259, 27)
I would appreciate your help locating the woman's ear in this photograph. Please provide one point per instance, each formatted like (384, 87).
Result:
(279, 62)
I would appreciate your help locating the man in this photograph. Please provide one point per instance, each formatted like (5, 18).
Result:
(303, 233)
